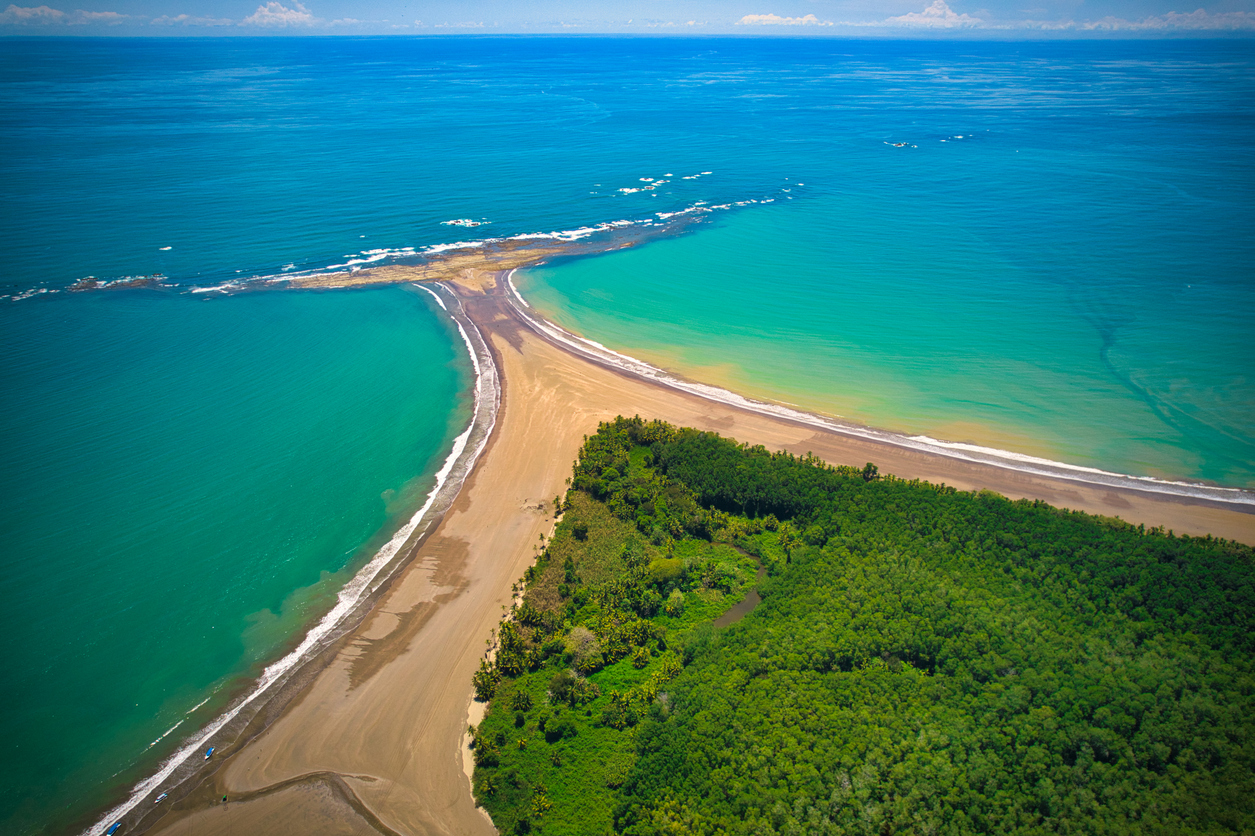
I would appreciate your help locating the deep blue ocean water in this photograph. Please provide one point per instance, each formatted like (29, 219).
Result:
(188, 476)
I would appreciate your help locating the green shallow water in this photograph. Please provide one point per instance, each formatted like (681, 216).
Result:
(886, 315)
(188, 482)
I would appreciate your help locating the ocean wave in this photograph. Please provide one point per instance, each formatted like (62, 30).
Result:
(164, 735)
(34, 291)
(466, 450)
(225, 287)
(966, 452)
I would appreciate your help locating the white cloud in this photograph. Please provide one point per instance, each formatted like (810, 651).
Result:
(31, 15)
(188, 20)
(777, 20)
(45, 15)
(275, 13)
(81, 18)
(939, 16)
(936, 16)
(1195, 21)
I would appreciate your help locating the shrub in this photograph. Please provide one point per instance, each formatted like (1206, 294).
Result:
(666, 570)
(559, 729)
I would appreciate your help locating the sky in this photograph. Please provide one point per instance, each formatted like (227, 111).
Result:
(813, 18)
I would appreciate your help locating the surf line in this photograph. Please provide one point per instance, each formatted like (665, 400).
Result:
(598, 353)
(461, 460)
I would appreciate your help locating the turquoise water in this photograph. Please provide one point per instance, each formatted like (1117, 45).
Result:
(1059, 263)
(888, 318)
(189, 476)
(186, 484)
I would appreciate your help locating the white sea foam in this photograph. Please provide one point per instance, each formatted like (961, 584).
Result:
(34, 291)
(165, 734)
(358, 261)
(456, 245)
(955, 450)
(360, 585)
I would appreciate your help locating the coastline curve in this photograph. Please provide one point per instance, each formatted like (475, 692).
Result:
(1004, 459)
(356, 597)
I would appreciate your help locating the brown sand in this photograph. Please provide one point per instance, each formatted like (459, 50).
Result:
(374, 743)
(472, 267)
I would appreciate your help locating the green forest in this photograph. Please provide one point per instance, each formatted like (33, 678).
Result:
(923, 660)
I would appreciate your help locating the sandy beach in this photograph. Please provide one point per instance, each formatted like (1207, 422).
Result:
(373, 742)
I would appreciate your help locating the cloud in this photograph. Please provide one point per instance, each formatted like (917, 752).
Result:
(274, 14)
(188, 20)
(1196, 21)
(776, 20)
(936, 16)
(939, 16)
(31, 15)
(81, 18)
(45, 15)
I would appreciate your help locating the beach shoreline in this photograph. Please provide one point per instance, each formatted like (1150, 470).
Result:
(1185, 490)
(373, 742)
(260, 701)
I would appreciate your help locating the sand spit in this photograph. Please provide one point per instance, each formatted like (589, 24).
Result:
(373, 744)
(470, 265)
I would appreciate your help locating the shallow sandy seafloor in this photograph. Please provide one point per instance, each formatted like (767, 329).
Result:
(374, 743)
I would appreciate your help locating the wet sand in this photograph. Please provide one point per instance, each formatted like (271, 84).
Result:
(373, 744)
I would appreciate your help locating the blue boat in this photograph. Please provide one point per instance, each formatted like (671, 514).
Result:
(208, 754)
(113, 829)
(161, 798)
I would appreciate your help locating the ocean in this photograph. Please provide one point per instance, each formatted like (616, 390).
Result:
(1044, 248)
